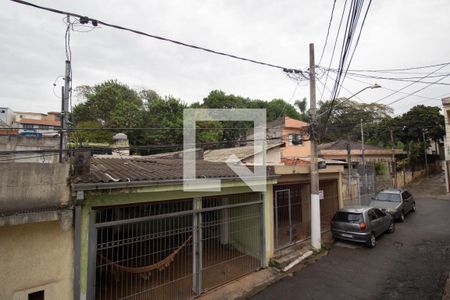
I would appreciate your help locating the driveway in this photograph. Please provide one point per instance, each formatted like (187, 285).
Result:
(412, 263)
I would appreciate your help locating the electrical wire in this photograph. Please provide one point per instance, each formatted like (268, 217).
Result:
(161, 38)
(355, 10)
(392, 90)
(400, 69)
(328, 32)
(334, 49)
(421, 89)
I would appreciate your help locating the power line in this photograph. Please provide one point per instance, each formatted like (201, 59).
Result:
(328, 32)
(421, 89)
(407, 79)
(392, 90)
(85, 19)
(355, 9)
(429, 74)
(400, 69)
(334, 49)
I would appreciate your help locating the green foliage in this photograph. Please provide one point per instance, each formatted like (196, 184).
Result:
(114, 104)
(380, 168)
(346, 117)
(80, 137)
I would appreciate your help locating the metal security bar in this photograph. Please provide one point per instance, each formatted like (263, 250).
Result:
(145, 259)
(231, 239)
(288, 215)
(175, 249)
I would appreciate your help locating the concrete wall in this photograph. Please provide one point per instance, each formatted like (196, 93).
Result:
(20, 143)
(36, 257)
(28, 186)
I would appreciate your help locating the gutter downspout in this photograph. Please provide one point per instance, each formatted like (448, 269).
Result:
(77, 242)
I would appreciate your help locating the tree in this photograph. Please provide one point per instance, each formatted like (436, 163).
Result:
(80, 137)
(100, 101)
(419, 118)
(346, 117)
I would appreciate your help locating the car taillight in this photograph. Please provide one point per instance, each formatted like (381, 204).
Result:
(362, 226)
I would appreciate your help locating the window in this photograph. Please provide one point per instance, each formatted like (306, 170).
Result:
(406, 195)
(347, 217)
(39, 295)
(3, 111)
(391, 197)
(379, 213)
(372, 215)
(294, 139)
(28, 126)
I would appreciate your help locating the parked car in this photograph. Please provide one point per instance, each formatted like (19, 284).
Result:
(361, 224)
(397, 202)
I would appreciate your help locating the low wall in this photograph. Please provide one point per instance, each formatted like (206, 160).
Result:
(31, 186)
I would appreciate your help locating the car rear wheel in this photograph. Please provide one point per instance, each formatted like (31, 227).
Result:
(402, 217)
(391, 228)
(372, 241)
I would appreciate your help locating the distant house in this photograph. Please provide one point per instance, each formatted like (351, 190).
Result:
(337, 150)
(7, 116)
(45, 127)
(293, 133)
(246, 154)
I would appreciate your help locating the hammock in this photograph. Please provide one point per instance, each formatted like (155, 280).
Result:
(144, 271)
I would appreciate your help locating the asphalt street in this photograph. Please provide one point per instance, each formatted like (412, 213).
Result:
(412, 263)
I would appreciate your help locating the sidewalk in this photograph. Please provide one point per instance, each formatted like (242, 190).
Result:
(435, 188)
(251, 284)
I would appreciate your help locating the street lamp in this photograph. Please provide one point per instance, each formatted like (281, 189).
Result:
(374, 86)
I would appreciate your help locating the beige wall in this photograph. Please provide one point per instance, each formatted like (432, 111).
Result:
(34, 257)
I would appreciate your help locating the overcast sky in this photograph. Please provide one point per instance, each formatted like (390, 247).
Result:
(396, 34)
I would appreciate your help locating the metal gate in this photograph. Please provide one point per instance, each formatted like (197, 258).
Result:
(174, 249)
(288, 215)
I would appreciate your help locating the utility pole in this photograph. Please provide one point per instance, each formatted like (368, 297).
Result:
(394, 163)
(65, 111)
(425, 152)
(316, 242)
(61, 132)
(363, 157)
(349, 170)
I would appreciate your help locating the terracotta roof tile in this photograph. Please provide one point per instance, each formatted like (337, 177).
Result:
(40, 122)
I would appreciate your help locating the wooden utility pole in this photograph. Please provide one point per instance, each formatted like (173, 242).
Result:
(349, 170)
(394, 163)
(425, 152)
(316, 242)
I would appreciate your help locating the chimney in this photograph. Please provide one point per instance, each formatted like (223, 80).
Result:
(82, 163)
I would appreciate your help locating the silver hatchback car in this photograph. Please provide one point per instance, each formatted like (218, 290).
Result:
(361, 224)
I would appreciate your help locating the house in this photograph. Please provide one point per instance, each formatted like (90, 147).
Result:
(293, 133)
(291, 194)
(337, 150)
(36, 232)
(446, 107)
(7, 117)
(246, 154)
(45, 127)
(141, 235)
